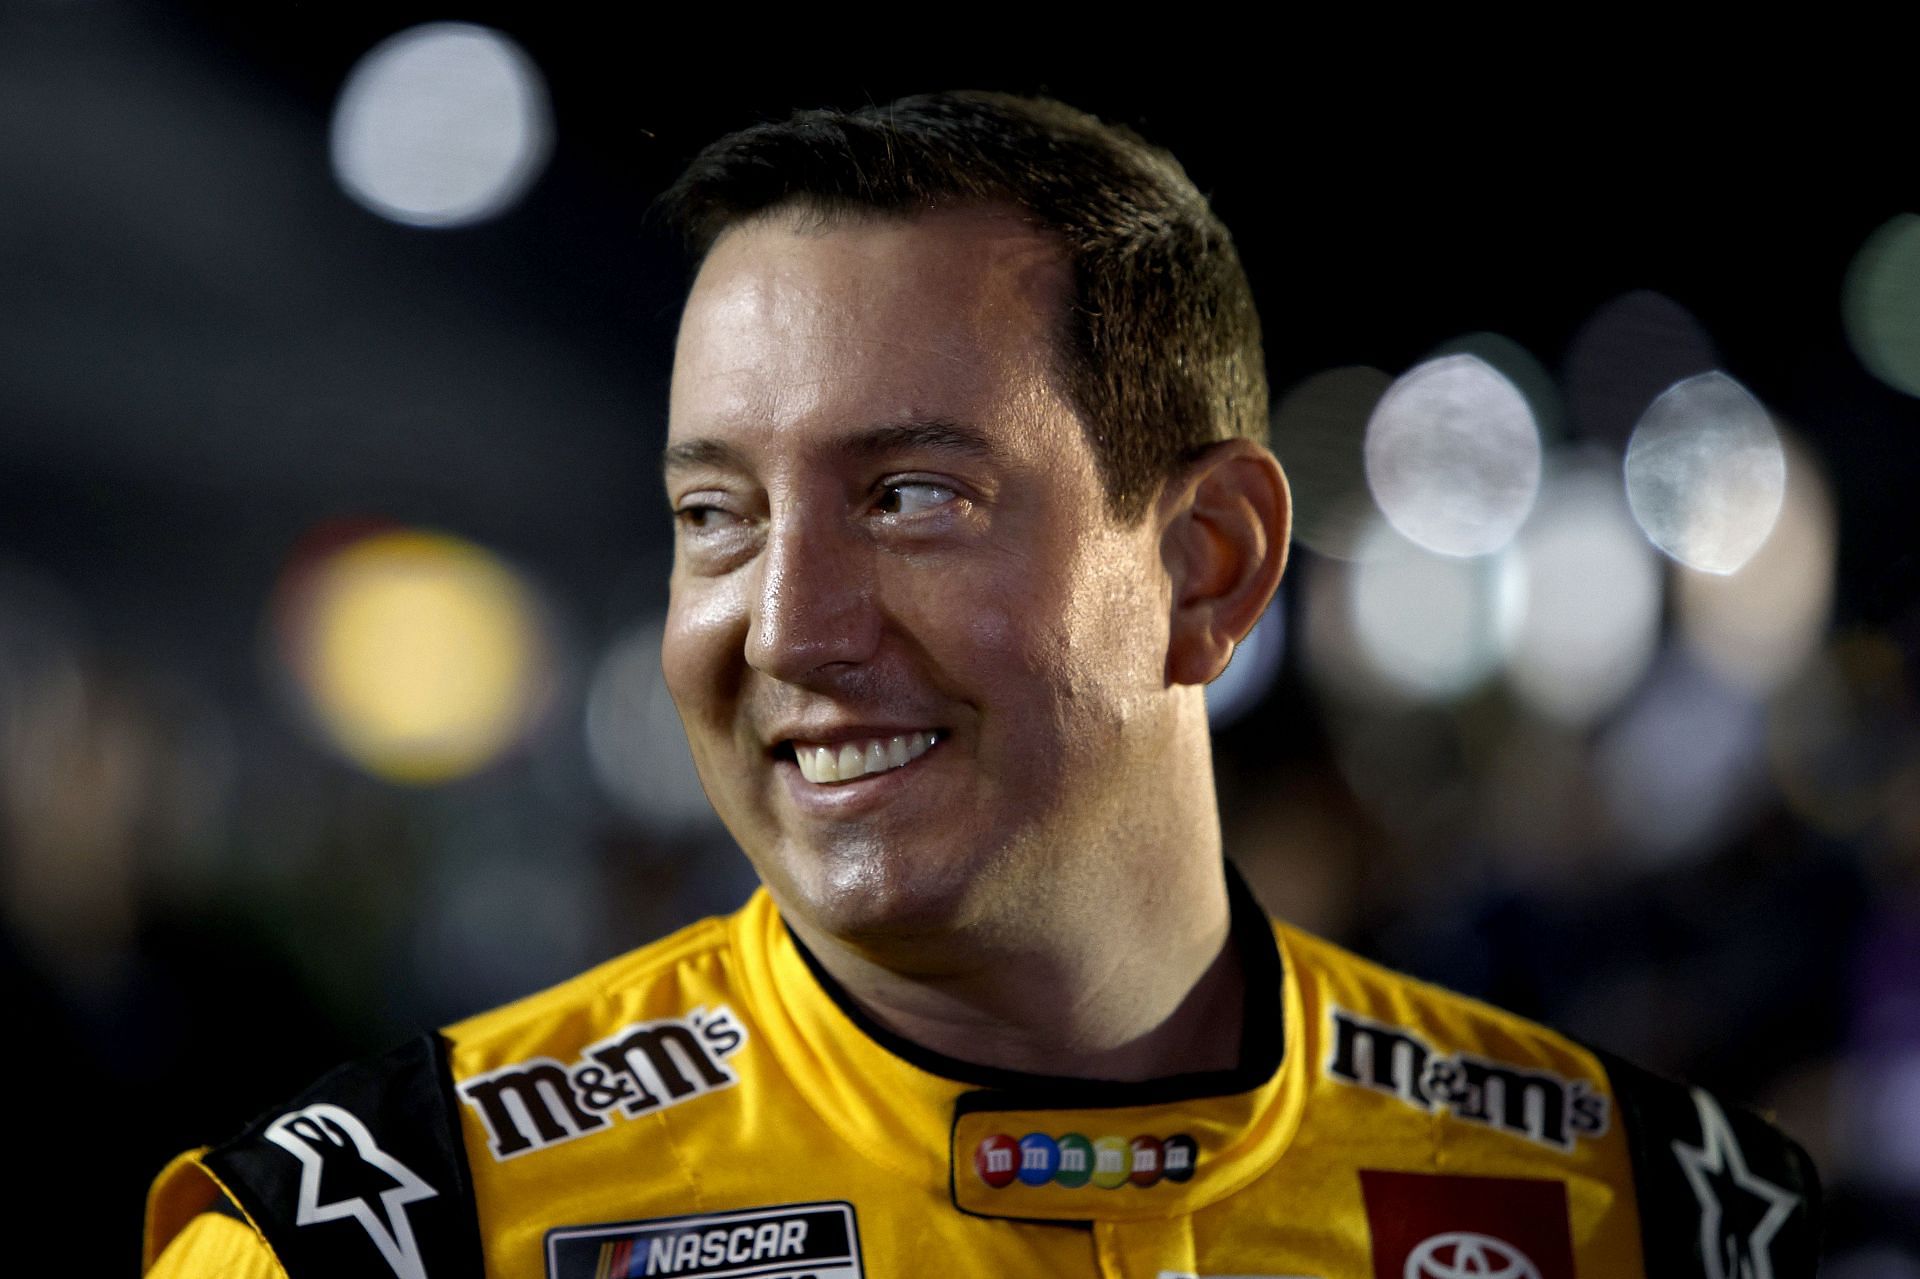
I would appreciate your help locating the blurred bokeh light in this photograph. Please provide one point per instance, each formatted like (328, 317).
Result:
(1320, 433)
(1758, 625)
(1685, 763)
(1881, 303)
(634, 737)
(1453, 456)
(1519, 366)
(1625, 355)
(421, 655)
(1433, 626)
(442, 125)
(1329, 642)
(1705, 473)
(1591, 619)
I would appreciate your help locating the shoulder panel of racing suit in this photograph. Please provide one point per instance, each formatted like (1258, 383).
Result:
(364, 1173)
(1722, 1192)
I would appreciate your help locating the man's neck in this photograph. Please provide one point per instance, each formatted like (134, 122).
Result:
(1116, 1001)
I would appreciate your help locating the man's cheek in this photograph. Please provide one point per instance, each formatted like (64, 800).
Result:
(703, 647)
(990, 631)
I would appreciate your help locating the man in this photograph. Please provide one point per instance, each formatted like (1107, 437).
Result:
(970, 505)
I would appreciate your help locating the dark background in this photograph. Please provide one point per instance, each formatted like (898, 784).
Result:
(208, 352)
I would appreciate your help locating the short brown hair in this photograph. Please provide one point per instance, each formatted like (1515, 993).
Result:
(1162, 341)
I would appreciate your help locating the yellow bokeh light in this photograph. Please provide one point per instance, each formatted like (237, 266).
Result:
(419, 652)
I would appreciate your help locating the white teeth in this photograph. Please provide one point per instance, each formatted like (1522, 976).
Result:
(826, 765)
(860, 759)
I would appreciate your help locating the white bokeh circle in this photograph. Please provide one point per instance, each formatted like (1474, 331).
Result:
(1593, 600)
(1706, 473)
(1453, 456)
(441, 125)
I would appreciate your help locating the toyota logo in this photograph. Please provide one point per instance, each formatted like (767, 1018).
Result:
(1459, 1254)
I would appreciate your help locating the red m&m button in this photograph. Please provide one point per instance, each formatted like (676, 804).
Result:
(997, 1160)
(1147, 1165)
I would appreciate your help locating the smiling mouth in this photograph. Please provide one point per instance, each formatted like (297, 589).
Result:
(850, 761)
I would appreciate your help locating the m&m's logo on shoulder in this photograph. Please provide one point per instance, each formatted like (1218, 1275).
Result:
(1074, 1160)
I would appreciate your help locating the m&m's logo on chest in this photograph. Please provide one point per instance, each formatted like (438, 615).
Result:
(1074, 1160)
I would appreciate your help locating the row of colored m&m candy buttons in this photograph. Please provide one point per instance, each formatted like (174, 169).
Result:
(1073, 1160)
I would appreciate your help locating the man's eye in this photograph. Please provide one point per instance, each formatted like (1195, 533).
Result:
(911, 497)
(701, 518)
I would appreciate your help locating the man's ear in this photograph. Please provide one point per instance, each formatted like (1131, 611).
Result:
(1224, 524)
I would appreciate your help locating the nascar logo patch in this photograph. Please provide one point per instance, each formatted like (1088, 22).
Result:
(782, 1241)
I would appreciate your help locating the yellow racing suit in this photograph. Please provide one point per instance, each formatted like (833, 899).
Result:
(714, 1106)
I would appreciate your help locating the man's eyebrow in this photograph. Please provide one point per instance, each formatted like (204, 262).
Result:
(937, 434)
(940, 435)
(690, 454)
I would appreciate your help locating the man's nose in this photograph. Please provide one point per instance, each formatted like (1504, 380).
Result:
(813, 609)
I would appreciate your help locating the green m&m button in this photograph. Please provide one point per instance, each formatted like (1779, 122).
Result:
(1076, 1161)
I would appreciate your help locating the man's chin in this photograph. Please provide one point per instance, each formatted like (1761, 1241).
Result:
(880, 907)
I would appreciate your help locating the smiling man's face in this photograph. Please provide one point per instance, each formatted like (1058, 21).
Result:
(920, 666)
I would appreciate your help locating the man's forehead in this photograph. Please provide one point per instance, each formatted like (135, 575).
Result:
(881, 318)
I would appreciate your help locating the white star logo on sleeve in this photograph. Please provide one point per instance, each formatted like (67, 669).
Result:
(1719, 1159)
(324, 1134)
